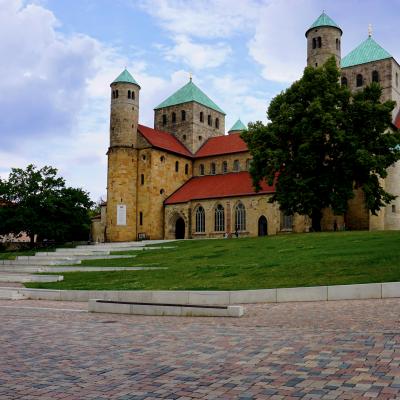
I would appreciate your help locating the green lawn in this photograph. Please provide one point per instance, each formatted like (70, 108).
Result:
(252, 263)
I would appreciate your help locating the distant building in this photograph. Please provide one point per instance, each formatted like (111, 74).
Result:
(185, 178)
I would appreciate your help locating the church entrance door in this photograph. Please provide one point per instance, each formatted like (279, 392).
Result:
(180, 229)
(262, 226)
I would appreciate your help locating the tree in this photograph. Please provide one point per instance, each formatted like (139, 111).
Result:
(36, 201)
(322, 143)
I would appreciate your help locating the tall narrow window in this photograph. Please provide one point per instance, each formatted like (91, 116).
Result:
(236, 166)
(116, 94)
(344, 81)
(129, 94)
(176, 166)
(209, 120)
(375, 76)
(212, 169)
(201, 116)
(337, 44)
(217, 123)
(142, 179)
(219, 219)
(141, 218)
(319, 40)
(173, 118)
(240, 217)
(133, 95)
(164, 119)
(397, 79)
(201, 169)
(113, 94)
(183, 115)
(186, 169)
(359, 80)
(224, 167)
(200, 220)
(314, 43)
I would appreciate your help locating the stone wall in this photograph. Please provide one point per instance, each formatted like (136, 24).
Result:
(218, 160)
(318, 56)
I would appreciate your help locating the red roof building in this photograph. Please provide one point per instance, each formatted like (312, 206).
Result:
(397, 121)
(220, 145)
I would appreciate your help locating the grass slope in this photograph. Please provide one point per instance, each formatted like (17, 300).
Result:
(252, 263)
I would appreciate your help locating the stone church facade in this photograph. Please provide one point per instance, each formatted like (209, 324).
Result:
(185, 178)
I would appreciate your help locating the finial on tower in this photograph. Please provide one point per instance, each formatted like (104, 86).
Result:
(370, 30)
(190, 76)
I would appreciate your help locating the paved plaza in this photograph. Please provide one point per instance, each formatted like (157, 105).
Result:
(320, 350)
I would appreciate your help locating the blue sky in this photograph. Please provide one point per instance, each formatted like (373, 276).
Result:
(59, 57)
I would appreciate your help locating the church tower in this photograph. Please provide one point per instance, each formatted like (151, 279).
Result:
(122, 159)
(323, 41)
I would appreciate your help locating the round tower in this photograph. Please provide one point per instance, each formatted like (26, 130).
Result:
(323, 41)
(122, 160)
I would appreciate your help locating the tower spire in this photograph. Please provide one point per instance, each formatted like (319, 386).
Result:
(370, 31)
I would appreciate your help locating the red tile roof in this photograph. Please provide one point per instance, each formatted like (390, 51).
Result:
(222, 145)
(163, 140)
(397, 121)
(216, 186)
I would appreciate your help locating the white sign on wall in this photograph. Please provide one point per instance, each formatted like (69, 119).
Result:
(121, 214)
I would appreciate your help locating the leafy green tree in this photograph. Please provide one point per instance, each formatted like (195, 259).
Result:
(38, 202)
(322, 143)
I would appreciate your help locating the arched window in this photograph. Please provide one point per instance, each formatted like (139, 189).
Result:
(186, 169)
(173, 118)
(184, 137)
(236, 166)
(176, 166)
(142, 179)
(164, 119)
(240, 217)
(129, 94)
(359, 80)
(224, 167)
(337, 44)
(201, 169)
(248, 164)
(201, 116)
(141, 218)
(375, 76)
(113, 94)
(217, 123)
(397, 79)
(319, 40)
(162, 158)
(200, 220)
(116, 94)
(183, 115)
(314, 43)
(133, 95)
(344, 81)
(209, 120)
(212, 168)
(219, 225)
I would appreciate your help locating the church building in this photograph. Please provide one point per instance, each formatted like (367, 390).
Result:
(186, 178)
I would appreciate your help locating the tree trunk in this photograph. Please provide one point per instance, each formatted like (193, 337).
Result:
(316, 217)
(32, 239)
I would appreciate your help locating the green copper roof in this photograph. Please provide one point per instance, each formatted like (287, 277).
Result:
(238, 126)
(366, 52)
(125, 77)
(187, 93)
(323, 20)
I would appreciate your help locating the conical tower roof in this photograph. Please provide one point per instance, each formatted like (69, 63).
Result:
(324, 20)
(366, 52)
(189, 92)
(125, 77)
(238, 126)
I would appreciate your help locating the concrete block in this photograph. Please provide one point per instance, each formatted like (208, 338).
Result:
(170, 297)
(41, 294)
(355, 292)
(76, 295)
(315, 293)
(252, 296)
(140, 296)
(209, 298)
(390, 289)
(236, 311)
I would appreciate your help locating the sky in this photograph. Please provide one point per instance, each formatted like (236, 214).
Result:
(58, 58)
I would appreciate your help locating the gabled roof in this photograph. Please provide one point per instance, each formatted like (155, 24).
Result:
(125, 77)
(238, 126)
(324, 20)
(189, 92)
(366, 52)
(164, 141)
(219, 145)
(217, 186)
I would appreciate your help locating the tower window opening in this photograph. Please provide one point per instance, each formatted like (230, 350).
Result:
(316, 64)
(217, 123)
(200, 138)
(141, 218)
(375, 76)
(319, 40)
(116, 94)
(344, 81)
(397, 79)
(133, 95)
(142, 179)
(183, 115)
(337, 44)
(201, 116)
(186, 169)
(173, 118)
(209, 120)
(162, 191)
(393, 208)
(201, 169)
(314, 43)
(129, 94)
(184, 137)
(176, 166)
(164, 119)
(113, 94)
(359, 80)
(162, 158)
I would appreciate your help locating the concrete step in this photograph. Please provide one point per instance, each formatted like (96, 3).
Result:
(71, 258)
(73, 252)
(10, 294)
(19, 277)
(34, 261)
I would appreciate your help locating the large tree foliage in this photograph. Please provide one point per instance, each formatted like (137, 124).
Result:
(36, 201)
(322, 142)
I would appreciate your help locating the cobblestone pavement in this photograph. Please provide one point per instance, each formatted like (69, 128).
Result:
(320, 350)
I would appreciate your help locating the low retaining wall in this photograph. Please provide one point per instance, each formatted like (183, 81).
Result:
(113, 307)
(317, 293)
